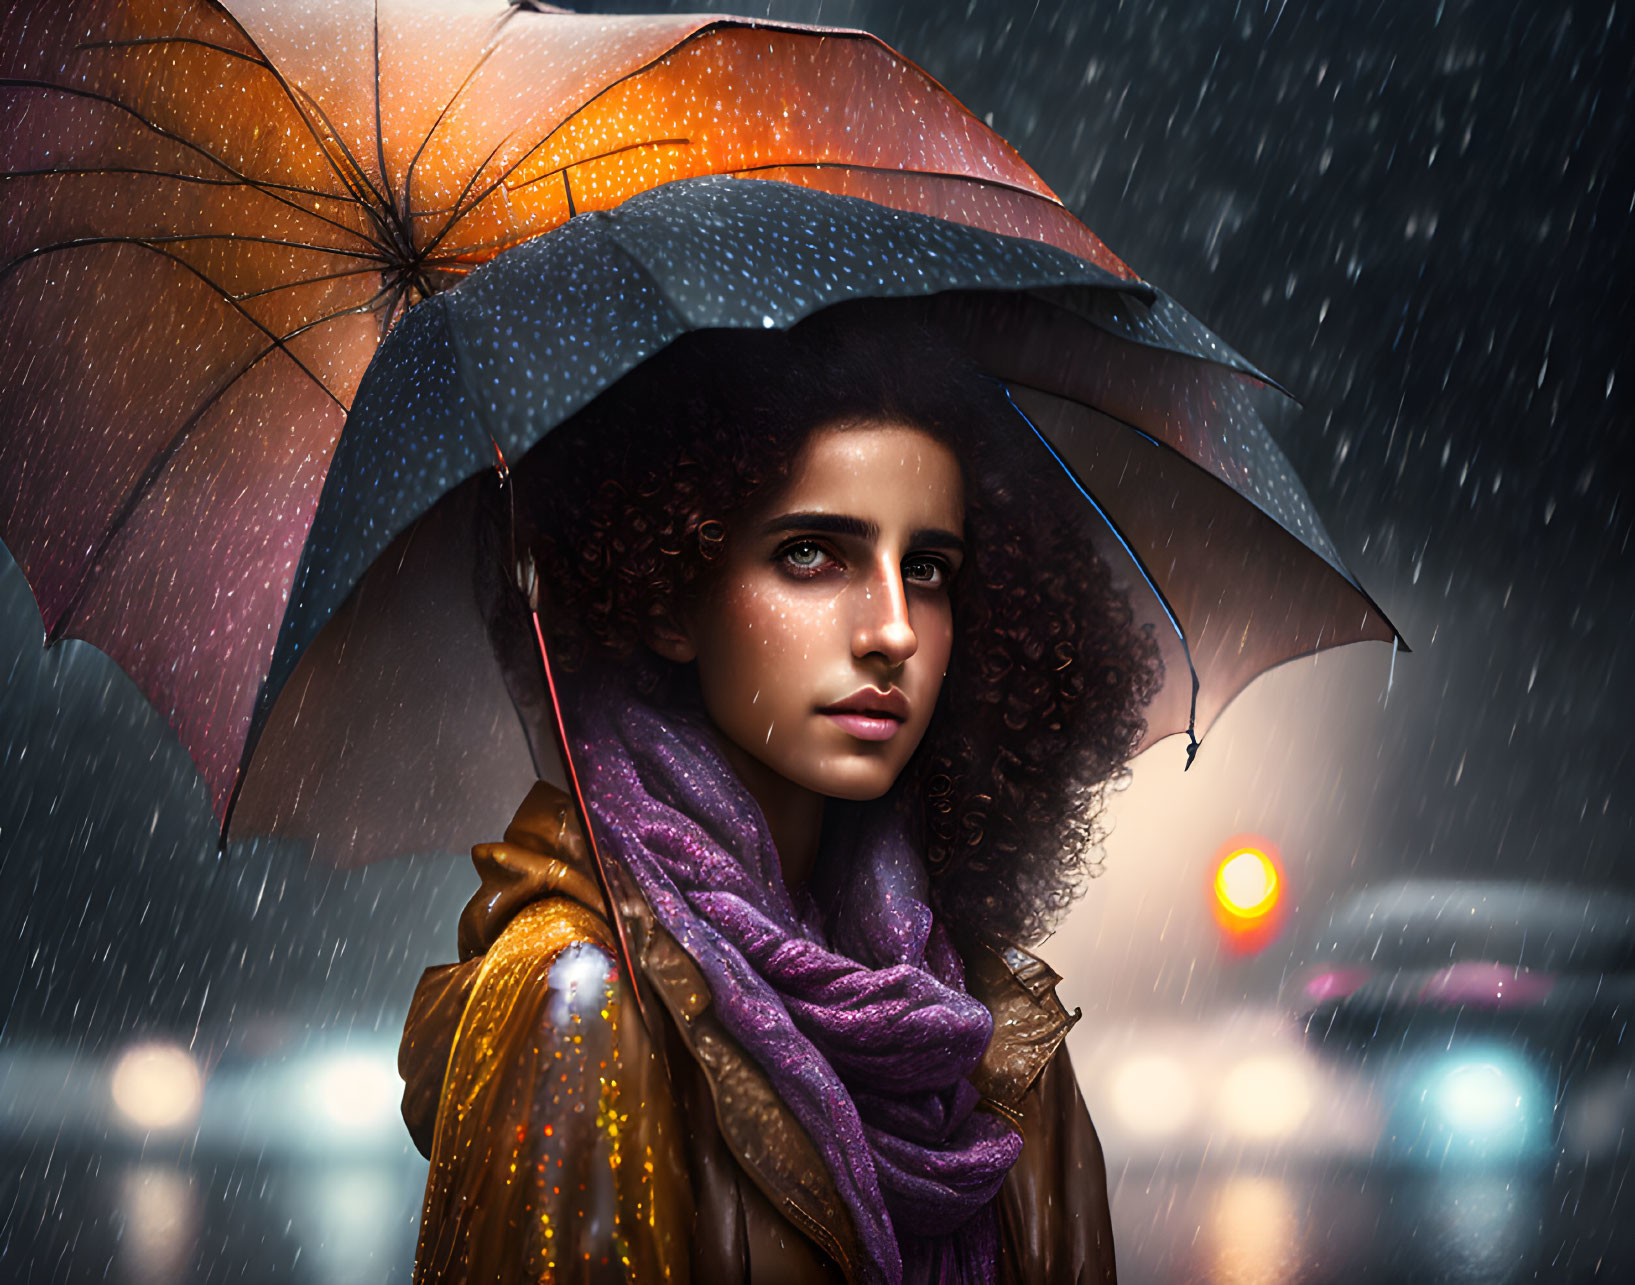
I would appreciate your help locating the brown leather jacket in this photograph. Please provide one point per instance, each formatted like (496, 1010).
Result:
(577, 1136)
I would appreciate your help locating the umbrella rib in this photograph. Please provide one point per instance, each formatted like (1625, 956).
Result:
(460, 209)
(505, 175)
(372, 304)
(354, 175)
(1214, 479)
(408, 176)
(138, 171)
(268, 189)
(160, 461)
(1136, 558)
(144, 484)
(380, 138)
(153, 243)
(305, 281)
(600, 156)
(288, 92)
(273, 190)
(145, 41)
(294, 95)
(1194, 466)
(694, 37)
(222, 294)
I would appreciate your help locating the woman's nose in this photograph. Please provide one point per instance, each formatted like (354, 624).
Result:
(882, 626)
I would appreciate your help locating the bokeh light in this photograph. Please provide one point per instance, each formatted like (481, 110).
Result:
(1265, 1097)
(1153, 1094)
(1247, 883)
(1480, 1098)
(357, 1092)
(1475, 1105)
(1249, 891)
(157, 1087)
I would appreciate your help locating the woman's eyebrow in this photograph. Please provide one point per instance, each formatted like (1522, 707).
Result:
(937, 538)
(861, 529)
(828, 523)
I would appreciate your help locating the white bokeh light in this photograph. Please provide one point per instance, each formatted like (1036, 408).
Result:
(1153, 1094)
(157, 1087)
(356, 1092)
(1265, 1097)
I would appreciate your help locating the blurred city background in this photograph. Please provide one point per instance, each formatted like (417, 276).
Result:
(1355, 987)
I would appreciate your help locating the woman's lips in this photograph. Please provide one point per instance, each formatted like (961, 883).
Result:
(870, 715)
(866, 727)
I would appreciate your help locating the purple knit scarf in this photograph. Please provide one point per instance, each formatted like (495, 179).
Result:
(851, 997)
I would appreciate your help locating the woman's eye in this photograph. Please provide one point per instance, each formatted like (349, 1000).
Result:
(930, 573)
(804, 556)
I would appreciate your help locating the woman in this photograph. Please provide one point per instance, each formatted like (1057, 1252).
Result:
(841, 688)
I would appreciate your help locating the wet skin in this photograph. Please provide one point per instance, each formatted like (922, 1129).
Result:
(834, 592)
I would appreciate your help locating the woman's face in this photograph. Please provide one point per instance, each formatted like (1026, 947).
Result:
(823, 639)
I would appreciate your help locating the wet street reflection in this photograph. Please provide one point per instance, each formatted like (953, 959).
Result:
(1327, 1224)
(1219, 1222)
(174, 1222)
(1253, 1234)
(158, 1221)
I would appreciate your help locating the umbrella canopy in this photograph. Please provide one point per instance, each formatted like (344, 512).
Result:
(1186, 492)
(214, 212)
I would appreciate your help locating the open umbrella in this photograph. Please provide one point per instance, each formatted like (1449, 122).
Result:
(214, 212)
(1186, 492)
(177, 369)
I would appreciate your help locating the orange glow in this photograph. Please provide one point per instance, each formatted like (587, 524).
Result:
(1248, 891)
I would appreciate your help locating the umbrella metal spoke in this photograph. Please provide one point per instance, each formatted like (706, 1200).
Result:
(442, 115)
(380, 139)
(283, 85)
(224, 295)
(600, 156)
(711, 29)
(273, 191)
(154, 242)
(338, 275)
(88, 171)
(372, 304)
(369, 198)
(505, 176)
(143, 485)
(1135, 557)
(459, 201)
(138, 172)
(145, 41)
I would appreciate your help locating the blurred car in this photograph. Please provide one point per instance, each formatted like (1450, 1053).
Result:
(1491, 1014)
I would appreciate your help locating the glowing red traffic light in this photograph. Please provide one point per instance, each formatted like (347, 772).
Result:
(1248, 893)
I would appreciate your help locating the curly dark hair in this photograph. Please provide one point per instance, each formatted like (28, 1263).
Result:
(635, 497)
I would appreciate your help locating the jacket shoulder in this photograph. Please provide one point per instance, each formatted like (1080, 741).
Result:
(552, 948)
(543, 856)
(552, 1138)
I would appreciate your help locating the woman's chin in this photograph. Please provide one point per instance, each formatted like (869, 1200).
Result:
(855, 782)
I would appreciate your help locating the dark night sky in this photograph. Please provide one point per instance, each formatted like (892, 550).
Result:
(1417, 216)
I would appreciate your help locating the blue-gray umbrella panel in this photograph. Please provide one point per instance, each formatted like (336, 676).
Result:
(385, 726)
